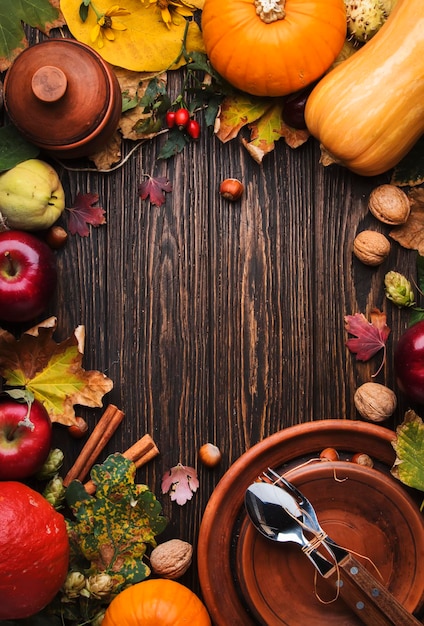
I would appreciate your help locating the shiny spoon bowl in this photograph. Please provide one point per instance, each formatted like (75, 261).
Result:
(277, 516)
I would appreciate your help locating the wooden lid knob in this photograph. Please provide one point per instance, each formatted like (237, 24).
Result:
(49, 83)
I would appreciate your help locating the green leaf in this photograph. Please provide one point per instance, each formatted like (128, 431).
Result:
(14, 148)
(41, 14)
(174, 144)
(112, 528)
(410, 170)
(409, 447)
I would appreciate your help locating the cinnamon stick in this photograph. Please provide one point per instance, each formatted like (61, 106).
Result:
(101, 434)
(140, 453)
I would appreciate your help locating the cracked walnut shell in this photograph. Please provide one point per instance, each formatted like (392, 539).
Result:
(375, 402)
(389, 204)
(371, 247)
(172, 558)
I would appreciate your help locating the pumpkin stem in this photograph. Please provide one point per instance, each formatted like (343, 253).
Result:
(270, 10)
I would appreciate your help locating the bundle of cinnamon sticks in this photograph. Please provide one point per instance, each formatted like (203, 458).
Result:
(140, 453)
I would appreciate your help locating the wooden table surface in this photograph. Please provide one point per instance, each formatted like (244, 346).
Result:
(222, 322)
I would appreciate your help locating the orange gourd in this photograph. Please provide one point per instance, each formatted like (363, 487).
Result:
(368, 112)
(156, 602)
(273, 47)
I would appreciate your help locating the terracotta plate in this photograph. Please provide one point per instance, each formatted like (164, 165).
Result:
(246, 582)
(363, 510)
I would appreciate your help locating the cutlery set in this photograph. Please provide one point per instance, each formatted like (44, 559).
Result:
(281, 513)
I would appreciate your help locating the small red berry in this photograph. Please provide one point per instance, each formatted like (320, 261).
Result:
(182, 117)
(193, 129)
(170, 119)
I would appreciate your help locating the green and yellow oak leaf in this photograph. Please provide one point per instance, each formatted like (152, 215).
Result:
(145, 45)
(52, 371)
(113, 527)
(41, 14)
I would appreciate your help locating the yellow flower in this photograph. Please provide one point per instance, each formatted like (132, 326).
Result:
(171, 10)
(105, 25)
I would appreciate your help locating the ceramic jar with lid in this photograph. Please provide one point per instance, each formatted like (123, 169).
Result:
(63, 97)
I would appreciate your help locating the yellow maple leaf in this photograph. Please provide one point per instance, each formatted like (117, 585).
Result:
(52, 371)
(141, 40)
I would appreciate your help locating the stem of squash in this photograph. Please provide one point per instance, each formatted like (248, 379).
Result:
(270, 10)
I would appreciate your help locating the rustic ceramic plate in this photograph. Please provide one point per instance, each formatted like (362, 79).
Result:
(363, 510)
(228, 549)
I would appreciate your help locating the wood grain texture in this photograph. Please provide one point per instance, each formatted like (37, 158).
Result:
(220, 321)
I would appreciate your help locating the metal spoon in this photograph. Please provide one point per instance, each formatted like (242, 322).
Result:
(276, 514)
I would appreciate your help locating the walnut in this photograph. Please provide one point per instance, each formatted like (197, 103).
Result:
(375, 402)
(371, 247)
(172, 558)
(389, 204)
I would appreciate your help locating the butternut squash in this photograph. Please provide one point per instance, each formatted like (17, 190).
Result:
(368, 112)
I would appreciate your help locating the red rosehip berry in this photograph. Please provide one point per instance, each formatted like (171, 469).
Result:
(193, 129)
(182, 117)
(170, 119)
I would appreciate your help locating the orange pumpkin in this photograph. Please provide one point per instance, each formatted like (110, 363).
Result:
(156, 602)
(273, 47)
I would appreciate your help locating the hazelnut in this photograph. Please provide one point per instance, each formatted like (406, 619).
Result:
(361, 458)
(79, 429)
(231, 189)
(375, 402)
(172, 558)
(389, 204)
(210, 455)
(371, 247)
(329, 454)
(56, 237)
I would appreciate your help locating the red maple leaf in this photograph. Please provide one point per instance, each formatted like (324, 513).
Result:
(370, 337)
(83, 213)
(155, 188)
(181, 482)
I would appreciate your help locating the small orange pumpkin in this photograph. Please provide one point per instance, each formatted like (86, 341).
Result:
(273, 47)
(156, 602)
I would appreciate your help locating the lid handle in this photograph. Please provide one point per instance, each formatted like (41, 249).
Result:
(49, 83)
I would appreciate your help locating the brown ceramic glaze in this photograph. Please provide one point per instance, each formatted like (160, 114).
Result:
(225, 537)
(63, 97)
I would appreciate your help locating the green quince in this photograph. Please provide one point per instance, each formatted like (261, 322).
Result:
(31, 196)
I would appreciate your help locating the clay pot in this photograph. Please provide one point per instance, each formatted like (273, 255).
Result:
(63, 97)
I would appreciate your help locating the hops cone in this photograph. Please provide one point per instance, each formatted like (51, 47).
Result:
(34, 551)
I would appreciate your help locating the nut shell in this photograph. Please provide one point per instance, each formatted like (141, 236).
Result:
(389, 204)
(231, 189)
(375, 402)
(371, 247)
(210, 455)
(172, 558)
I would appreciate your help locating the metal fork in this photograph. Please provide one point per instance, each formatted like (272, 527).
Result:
(307, 508)
(363, 593)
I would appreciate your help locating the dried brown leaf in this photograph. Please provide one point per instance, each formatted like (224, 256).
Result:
(411, 234)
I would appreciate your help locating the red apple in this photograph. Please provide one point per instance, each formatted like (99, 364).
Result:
(27, 276)
(25, 438)
(409, 362)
